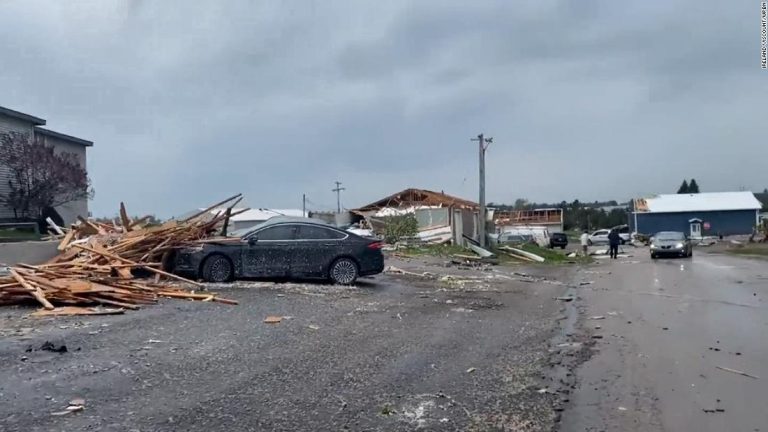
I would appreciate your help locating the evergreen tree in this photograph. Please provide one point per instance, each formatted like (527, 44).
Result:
(684, 188)
(693, 187)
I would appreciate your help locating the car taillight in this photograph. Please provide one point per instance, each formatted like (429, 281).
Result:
(375, 245)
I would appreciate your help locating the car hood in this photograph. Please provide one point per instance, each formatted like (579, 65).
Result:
(668, 242)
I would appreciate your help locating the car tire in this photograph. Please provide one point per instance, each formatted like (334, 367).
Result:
(653, 256)
(562, 247)
(217, 268)
(343, 271)
(589, 242)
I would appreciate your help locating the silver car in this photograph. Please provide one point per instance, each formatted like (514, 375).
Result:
(671, 243)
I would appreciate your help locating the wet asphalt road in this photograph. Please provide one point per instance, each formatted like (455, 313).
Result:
(395, 353)
(668, 325)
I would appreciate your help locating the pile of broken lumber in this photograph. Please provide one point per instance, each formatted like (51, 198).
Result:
(101, 264)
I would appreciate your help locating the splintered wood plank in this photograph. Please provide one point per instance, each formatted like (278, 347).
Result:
(104, 300)
(86, 227)
(154, 270)
(122, 272)
(64, 257)
(202, 212)
(66, 240)
(139, 221)
(34, 290)
(76, 310)
(126, 221)
(205, 297)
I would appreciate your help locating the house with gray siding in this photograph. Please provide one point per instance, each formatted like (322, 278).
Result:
(15, 121)
(698, 215)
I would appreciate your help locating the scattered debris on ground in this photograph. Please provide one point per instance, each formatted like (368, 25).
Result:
(396, 270)
(75, 405)
(100, 264)
(50, 346)
(738, 372)
(521, 254)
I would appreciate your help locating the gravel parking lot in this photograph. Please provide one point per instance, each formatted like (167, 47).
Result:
(470, 351)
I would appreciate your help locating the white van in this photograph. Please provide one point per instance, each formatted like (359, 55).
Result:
(539, 234)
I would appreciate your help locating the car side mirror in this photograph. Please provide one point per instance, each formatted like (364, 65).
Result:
(253, 240)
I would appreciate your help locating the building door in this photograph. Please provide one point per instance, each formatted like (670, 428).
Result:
(695, 229)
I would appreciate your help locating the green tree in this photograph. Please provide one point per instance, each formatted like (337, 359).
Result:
(693, 187)
(397, 227)
(39, 177)
(684, 188)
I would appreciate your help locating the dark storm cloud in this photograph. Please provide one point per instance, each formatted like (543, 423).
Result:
(190, 101)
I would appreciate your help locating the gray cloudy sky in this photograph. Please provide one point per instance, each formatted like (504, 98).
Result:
(188, 102)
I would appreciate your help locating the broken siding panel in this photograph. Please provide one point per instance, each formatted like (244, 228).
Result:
(7, 125)
(432, 218)
(469, 227)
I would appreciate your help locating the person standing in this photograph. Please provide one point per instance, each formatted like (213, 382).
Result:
(613, 241)
(585, 243)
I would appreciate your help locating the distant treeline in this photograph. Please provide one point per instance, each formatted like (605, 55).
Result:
(578, 215)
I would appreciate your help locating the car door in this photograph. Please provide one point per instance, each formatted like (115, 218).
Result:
(315, 249)
(600, 236)
(268, 252)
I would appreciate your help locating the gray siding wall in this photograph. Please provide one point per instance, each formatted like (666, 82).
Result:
(10, 124)
(69, 211)
(721, 222)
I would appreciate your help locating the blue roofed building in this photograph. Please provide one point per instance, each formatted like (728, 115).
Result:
(698, 215)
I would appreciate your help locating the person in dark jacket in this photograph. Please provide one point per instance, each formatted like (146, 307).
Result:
(613, 241)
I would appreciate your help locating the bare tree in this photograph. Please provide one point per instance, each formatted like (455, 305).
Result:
(39, 177)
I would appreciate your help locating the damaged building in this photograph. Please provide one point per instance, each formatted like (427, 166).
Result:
(441, 218)
(508, 220)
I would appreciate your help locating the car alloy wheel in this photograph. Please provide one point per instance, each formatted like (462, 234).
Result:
(344, 271)
(217, 269)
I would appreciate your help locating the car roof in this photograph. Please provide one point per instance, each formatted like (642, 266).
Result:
(292, 219)
(279, 220)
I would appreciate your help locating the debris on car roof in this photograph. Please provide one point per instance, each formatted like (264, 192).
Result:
(100, 264)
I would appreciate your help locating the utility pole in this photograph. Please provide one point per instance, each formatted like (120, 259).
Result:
(304, 205)
(482, 144)
(338, 190)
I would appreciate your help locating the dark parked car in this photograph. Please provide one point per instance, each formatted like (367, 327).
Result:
(671, 243)
(285, 247)
(558, 240)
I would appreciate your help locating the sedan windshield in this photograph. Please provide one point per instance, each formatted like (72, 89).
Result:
(670, 236)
